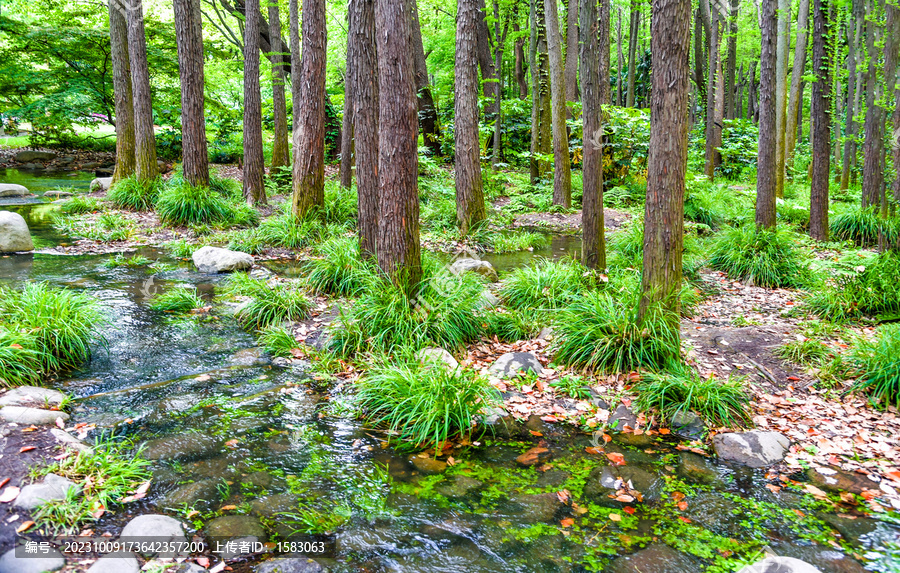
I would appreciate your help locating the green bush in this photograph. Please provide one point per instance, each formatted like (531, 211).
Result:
(135, 261)
(129, 193)
(277, 340)
(863, 226)
(424, 404)
(270, 304)
(514, 325)
(797, 215)
(718, 402)
(341, 270)
(803, 351)
(184, 204)
(601, 333)
(762, 257)
(80, 204)
(546, 284)
(876, 365)
(180, 299)
(284, 231)
(866, 285)
(20, 360)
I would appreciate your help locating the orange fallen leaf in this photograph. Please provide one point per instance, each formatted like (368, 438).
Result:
(682, 505)
(25, 526)
(228, 507)
(629, 510)
(24, 449)
(624, 498)
(232, 443)
(593, 450)
(677, 496)
(665, 431)
(4, 481)
(202, 561)
(616, 458)
(615, 517)
(684, 519)
(16, 346)
(533, 433)
(567, 522)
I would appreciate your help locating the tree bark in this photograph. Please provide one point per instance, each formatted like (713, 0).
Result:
(124, 102)
(398, 225)
(621, 63)
(363, 89)
(894, 14)
(254, 167)
(562, 172)
(752, 94)
(712, 126)
(731, 59)
(521, 81)
(428, 118)
(146, 168)
(500, 40)
(593, 250)
(873, 147)
(470, 210)
(782, 47)
(796, 96)
(346, 169)
(571, 65)
(281, 156)
(667, 159)
(309, 139)
(766, 163)
(603, 58)
(854, 34)
(632, 50)
(700, 78)
(821, 124)
(189, 36)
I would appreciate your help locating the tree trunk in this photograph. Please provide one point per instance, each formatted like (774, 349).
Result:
(521, 81)
(766, 163)
(799, 118)
(485, 61)
(752, 98)
(796, 96)
(854, 35)
(309, 139)
(470, 210)
(712, 128)
(619, 94)
(593, 250)
(189, 36)
(364, 102)
(118, 39)
(398, 225)
(254, 167)
(731, 59)
(821, 124)
(633, 27)
(782, 47)
(562, 172)
(534, 166)
(428, 119)
(667, 159)
(739, 94)
(894, 14)
(603, 58)
(347, 142)
(281, 156)
(571, 65)
(873, 147)
(500, 40)
(700, 78)
(146, 168)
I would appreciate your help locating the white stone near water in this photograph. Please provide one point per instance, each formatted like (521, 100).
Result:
(101, 184)
(13, 190)
(50, 561)
(14, 234)
(218, 260)
(29, 416)
(122, 562)
(512, 363)
(53, 488)
(755, 448)
(157, 527)
(34, 396)
(780, 565)
(480, 267)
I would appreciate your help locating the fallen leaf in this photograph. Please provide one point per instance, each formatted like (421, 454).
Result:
(218, 568)
(202, 561)
(9, 494)
(25, 526)
(615, 517)
(24, 449)
(567, 522)
(624, 498)
(60, 424)
(682, 505)
(593, 450)
(616, 458)
(4, 481)
(629, 510)
(228, 507)
(232, 443)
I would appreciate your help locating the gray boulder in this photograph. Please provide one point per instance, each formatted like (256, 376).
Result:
(101, 184)
(36, 416)
(33, 396)
(780, 565)
(438, 356)
(199, 495)
(53, 488)
(290, 565)
(70, 441)
(756, 448)
(14, 234)
(512, 363)
(480, 267)
(218, 260)
(687, 425)
(122, 562)
(30, 156)
(184, 447)
(156, 527)
(50, 561)
(12, 190)
(58, 194)
(657, 558)
(622, 416)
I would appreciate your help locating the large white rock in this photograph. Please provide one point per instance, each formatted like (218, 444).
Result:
(12, 190)
(30, 416)
(437, 356)
(101, 184)
(217, 260)
(33, 396)
(478, 266)
(755, 448)
(780, 565)
(53, 488)
(14, 233)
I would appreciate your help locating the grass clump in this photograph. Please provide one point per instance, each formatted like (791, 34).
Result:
(424, 403)
(762, 257)
(600, 333)
(20, 361)
(546, 284)
(803, 351)
(135, 261)
(181, 203)
(269, 304)
(181, 248)
(181, 299)
(341, 270)
(512, 326)
(863, 226)
(130, 193)
(864, 284)
(277, 340)
(717, 402)
(79, 204)
(876, 365)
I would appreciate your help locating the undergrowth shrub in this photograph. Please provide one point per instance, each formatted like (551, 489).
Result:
(717, 402)
(129, 193)
(184, 204)
(20, 360)
(863, 226)
(863, 284)
(803, 351)
(762, 257)
(340, 270)
(876, 365)
(626, 250)
(277, 340)
(546, 284)
(80, 204)
(511, 326)
(269, 304)
(424, 403)
(180, 299)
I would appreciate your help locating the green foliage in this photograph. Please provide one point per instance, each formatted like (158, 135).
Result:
(863, 284)
(510, 242)
(80, 204)
(863, 226)
(803, 351)
(740, 147)
(270, 304)
(718, 402)
(129, 193)
(511, 326)
(61, 321)
(763, 257)
(627, 250)
(180, 299)
(277, 340)
(627, 133)
(794, 214)
(341, 270)
(134, 262)
(181, 248)
(602, 333)
(876, 365)
(181, 203)
(546, 284)
(424, 404)
(20, 360)
(108, 227)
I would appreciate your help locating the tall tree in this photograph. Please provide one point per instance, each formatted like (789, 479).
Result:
(571, 65)
(146, 168)
(346, 169)
(562, 172)
(189, 36)
(782, 46)
(619, 61)
(873, 146)
(854, 36)
(281, 155)
(766, 162)
(633, 28)
(124, 102)
(796, 95)
(541, 100)
(713, 127)
(821, 124)
(309, 137)
(428, 118)
(363, 90)
(398, 225)
(470, 210)
(731, 59)
(254, 168)
(894, 83)
(593, 251)
(667, 158)
(519, 65)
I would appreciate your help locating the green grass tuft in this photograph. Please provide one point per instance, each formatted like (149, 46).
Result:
(546, 284)
(20, 360)
(277, 340)
(79, 204)
(133, 262)
(876, 366)
(717, 402)
(766, 258)
(270, 304)
(863, 285)
(129, 193)
(341, 271)
(803, 351)
(180, 299)
(863, 226)
(183, 204)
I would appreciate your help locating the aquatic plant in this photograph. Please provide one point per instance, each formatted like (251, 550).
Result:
(270, 303)
(277, 340)
(180, 299)
(718, 402)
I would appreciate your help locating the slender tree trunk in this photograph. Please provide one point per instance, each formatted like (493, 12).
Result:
(619, 94)
(428, 118)
(398, 225)
(894, 14)
(533, 65)
(796, 96)
(364, 102)
(593, 251)
(571, 65)
(124, 102)
(752, 97)
(281, 155)
(545, 141)
(633, 28)
(667, 160)
(498, 65)
(711, 92)
(146, 168)
(254, 167)
(470, 210)
(521, 81)
(821, 124)
(347, 138)
(562, 172)
(309, 139)
(189, 36)
(700, 78)
(782, 47)
(798, 136)
(766, 164)
(739, 94)
(873, 147)
(731, 59)
(603, 58)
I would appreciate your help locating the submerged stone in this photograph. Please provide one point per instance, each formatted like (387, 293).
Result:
(542, 507)
(201, 494)
(657, 558)
(533, 456)
(290, 565)
(756, 448)
(428, 465)
(188, 446)
(458, 487)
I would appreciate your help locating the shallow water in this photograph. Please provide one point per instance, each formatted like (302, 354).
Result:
(39, 181)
